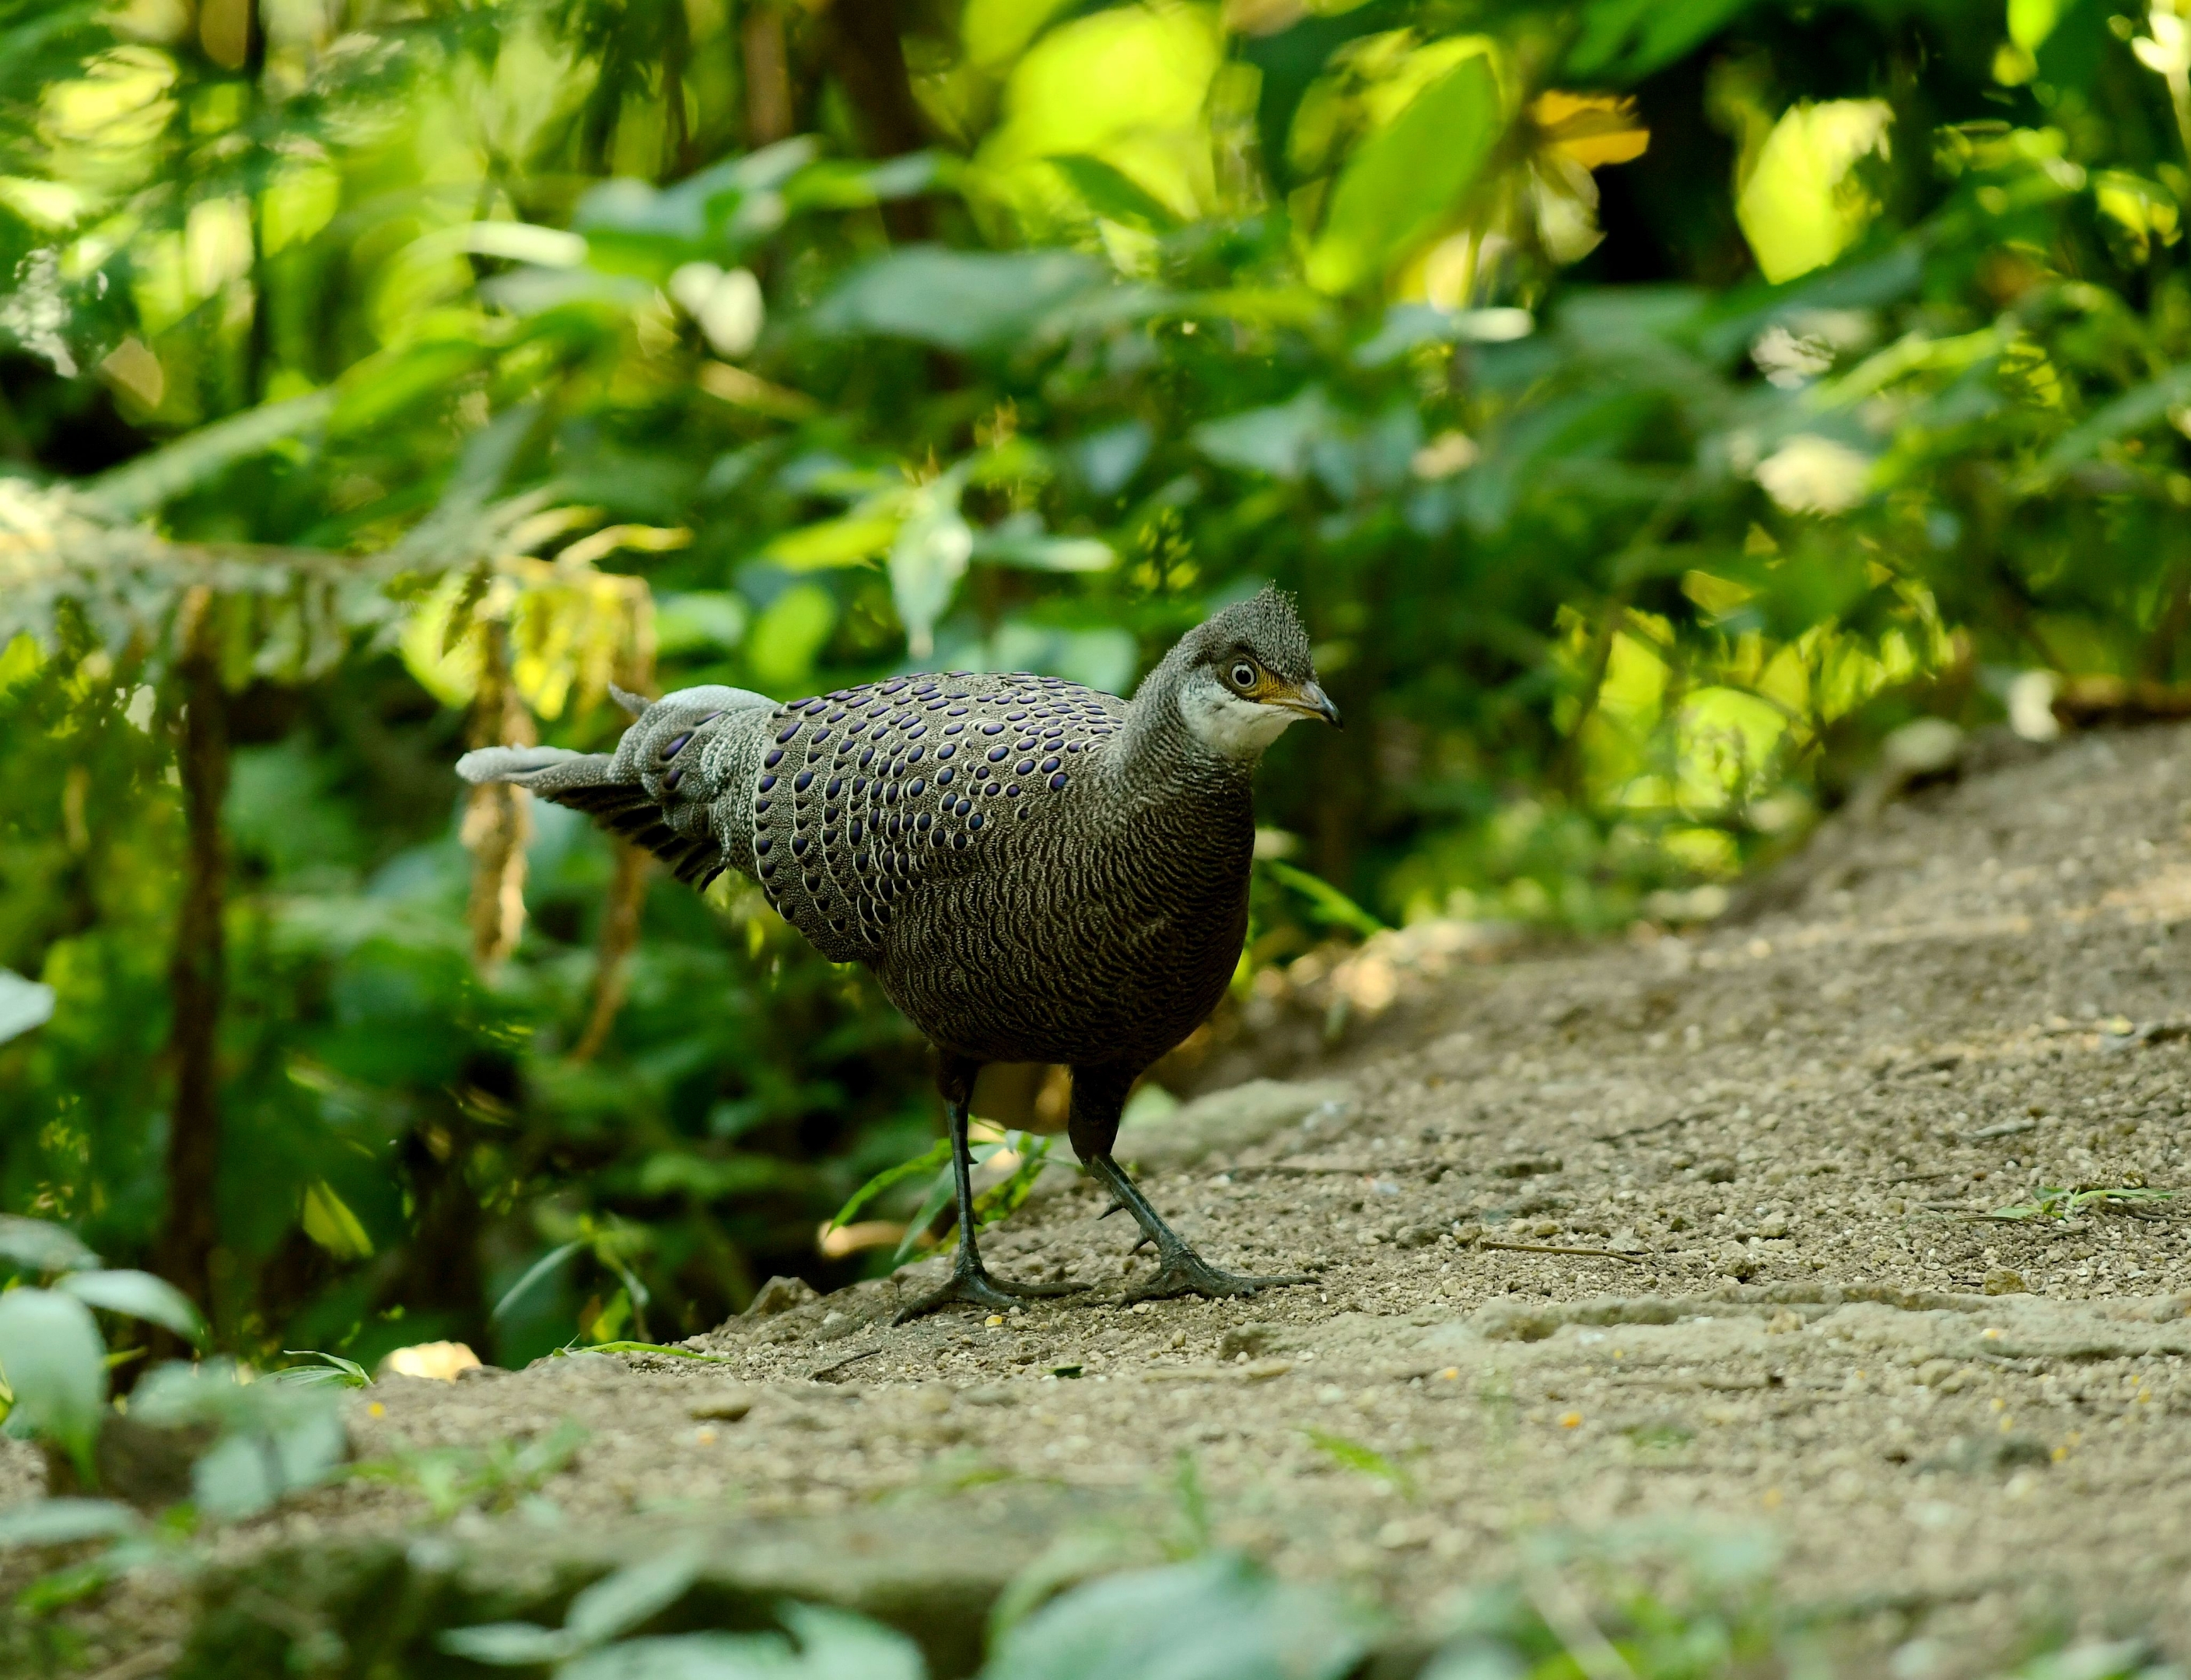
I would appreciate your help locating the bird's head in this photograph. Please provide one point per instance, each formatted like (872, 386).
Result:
(1246, 674)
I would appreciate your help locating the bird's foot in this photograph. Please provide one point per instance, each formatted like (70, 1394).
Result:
(970, 1284)
(1181, 1271)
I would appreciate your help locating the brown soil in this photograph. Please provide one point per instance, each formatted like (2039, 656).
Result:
(1781, 1138)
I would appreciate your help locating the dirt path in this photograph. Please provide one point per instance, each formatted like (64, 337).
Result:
(1778, 1135)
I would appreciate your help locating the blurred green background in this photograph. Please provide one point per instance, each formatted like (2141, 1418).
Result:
(1652, 402)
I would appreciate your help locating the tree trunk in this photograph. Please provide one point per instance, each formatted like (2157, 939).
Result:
(196, 978)
(767, 65)
(867, 58)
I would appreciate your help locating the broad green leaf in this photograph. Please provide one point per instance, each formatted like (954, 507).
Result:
(957, 300)
(1327, 902)
(1110, 193)
(138, 1295)
(617, 1602)
(61, 1522)
(1408, 178)
(1801, 208)
(1275, 441)
(24, 1004)
(939, 1196)
(836, 1645)
(505, 1644)
(1031, 547)
(40, 1245)
(1218, 1618)
(52, 1361)
(851, 540)
(789, 635)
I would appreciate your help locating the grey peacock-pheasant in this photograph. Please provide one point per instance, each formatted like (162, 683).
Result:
(1035, 871)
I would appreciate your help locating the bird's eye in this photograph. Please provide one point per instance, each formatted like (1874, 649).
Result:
(1243, 675)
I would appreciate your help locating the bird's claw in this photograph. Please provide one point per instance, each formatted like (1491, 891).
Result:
(972, 1285)
(1181, 1271)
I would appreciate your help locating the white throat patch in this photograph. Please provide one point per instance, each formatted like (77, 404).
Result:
(1228, 724)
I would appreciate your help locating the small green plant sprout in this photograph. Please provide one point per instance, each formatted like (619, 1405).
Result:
(497, 1477)
(268, 1439)
(822, 1644)
(331, 1371)
(1368, 1460)
(2050, 1202)
(54, 1363)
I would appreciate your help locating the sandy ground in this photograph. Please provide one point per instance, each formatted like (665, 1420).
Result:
(1779, 1139)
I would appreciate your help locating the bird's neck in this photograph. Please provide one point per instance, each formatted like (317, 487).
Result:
(1158, 752)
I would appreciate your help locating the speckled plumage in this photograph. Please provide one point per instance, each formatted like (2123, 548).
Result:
(1035, 871)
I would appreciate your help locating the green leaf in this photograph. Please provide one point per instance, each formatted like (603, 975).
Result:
(939, 1196)
(1110, 193)
(61, 1522)
(957, 300)
(505, 1644)
(24, 1004)
(1038, 552)
(197, 458)
(617, 1604)
(52, 1361)
(837, 1645)
(1327, 904)
(1403, 181)
(1218, 1618)
(138, 1295)
(534, 1274)
(40, 1245)
(851, 540)
(937, 1154)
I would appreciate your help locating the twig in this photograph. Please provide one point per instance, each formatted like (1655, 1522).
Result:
(828, 1373)
(2006, 1128)
(1549, 1247)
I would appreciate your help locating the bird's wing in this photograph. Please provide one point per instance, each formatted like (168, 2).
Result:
(862, 794)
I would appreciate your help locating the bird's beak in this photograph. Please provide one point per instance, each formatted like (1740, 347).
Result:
(1311, 701)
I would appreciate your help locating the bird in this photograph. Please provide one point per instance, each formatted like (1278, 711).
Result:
(1033, 870)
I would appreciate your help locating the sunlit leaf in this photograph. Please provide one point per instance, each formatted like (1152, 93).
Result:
(63, 1521)
(1408, 177)
(959, 301)
(40, 1245)
(52, 1361)
(24, 1004)
(137, 1295)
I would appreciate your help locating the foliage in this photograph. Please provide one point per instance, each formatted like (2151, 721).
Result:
(1650, 404)
(53, 1363)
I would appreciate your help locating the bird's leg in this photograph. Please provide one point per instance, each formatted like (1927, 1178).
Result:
(1179, 1269)
(970, 1281)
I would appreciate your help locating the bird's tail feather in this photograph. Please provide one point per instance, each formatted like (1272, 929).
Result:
(512, 764)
